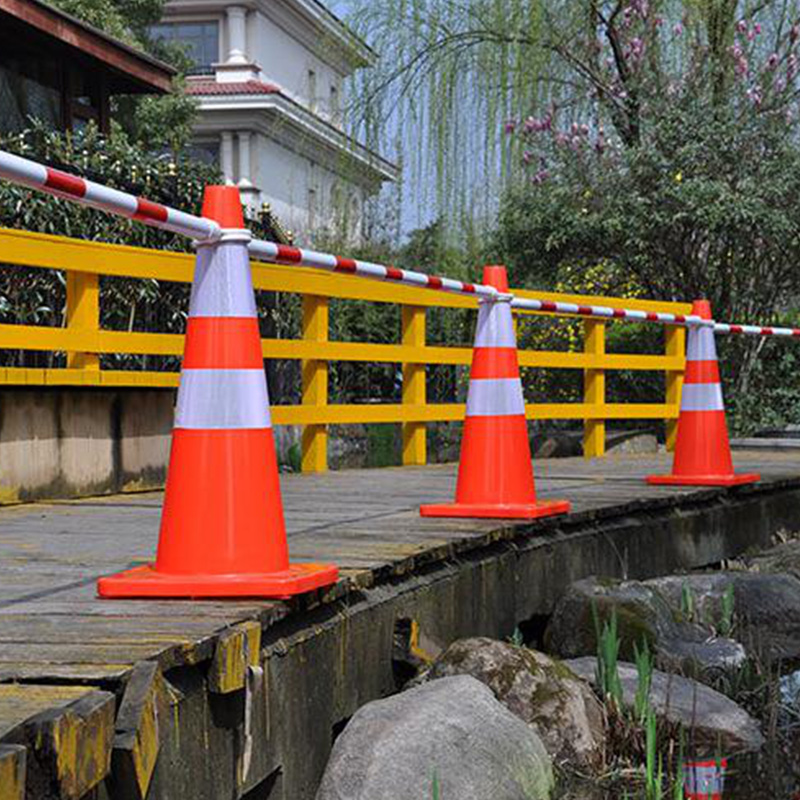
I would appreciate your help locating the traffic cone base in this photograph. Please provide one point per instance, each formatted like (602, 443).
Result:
(544, 508)
(696, 465)
(735, 479)
(145, 581)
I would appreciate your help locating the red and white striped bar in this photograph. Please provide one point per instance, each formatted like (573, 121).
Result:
(755, 330)
(284, 254)
(62, 184)
(606, 312)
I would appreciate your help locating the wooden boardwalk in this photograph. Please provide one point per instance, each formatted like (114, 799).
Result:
(63, 642)
(53, 626)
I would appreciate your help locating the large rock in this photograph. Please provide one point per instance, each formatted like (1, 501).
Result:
(560, 707)
(784, 557)
(766, 607)
(716, 724)
(452, 729)
(644, 615)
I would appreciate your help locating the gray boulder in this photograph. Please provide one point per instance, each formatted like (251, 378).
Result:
(645, 614)
(452, 730)
(561, 708)
(784, 557)
(716, 723)
(766, 606)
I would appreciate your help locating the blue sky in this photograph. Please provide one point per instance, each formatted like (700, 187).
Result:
(411, 214)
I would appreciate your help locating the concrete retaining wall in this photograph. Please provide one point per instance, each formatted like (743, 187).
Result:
(73, 442)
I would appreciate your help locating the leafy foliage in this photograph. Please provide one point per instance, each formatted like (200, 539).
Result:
(608, 643)
(659, 138)
(35, 296)
(454, 73)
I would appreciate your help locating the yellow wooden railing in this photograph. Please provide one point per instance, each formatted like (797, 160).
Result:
(83, 340)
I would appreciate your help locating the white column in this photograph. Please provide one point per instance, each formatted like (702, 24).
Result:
(226, 156)
(237, 34)
(244, 159)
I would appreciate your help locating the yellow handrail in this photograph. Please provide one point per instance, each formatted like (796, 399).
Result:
(84, 341)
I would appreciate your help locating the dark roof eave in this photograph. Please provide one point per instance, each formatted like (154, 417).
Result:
(134, 66)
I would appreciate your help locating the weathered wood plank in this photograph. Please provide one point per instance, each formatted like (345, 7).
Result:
(53, 626)
(12, 772)
(69, 674)
(237, 649)
(136, 736)
(20, 702)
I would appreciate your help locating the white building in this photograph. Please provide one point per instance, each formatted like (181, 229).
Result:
(269, 81)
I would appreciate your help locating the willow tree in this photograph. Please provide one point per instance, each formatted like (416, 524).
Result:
(656, 136)
(452, 73)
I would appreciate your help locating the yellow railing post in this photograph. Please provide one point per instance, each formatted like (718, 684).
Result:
(414, 445)
(83, 314)
(594, 388)
(674, 345)
(315, 383)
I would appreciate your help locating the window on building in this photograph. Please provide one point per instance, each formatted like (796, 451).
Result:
(312, 89)
(312, 208)
(207, 152)
(199, 39)
(335, 109)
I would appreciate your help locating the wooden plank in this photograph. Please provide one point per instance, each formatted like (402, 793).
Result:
(109, 654)
(21, 702)
(236, 649)
(12, 772)
(68, 731)
(136, 732)
(85, 673)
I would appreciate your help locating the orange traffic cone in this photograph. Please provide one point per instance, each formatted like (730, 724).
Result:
(704, 780)
(495, 474)
(222, 530)
(702, 451)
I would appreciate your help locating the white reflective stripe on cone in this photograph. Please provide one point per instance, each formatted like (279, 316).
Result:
(495, 325)
(223, 398)
(701, 397)
(222, 284)
(701, 345)
(490, 397)
(704, 780)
